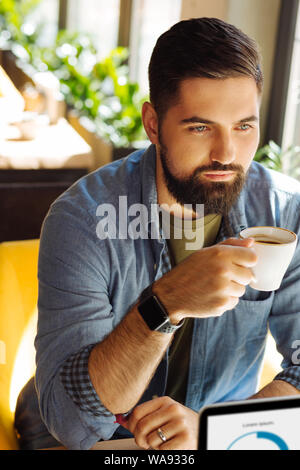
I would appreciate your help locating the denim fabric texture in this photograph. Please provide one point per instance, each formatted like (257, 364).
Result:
(87, 285)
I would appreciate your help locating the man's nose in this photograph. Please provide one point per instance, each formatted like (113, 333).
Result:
(223, 150)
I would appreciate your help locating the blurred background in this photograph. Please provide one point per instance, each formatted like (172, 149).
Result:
(87, 60)
(73, 77)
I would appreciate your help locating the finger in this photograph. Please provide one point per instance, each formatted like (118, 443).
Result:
(169, 430)
(242, 256)
(242, 275)
(149, 424)
(235, 290)
(181, 442)
(142, 411)
(247, 242)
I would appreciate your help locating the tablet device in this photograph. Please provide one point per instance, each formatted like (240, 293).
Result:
(261, 424)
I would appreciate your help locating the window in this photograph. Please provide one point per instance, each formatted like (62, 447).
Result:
(150, 18)
(47, 14)
(291, 134)
(99, 19)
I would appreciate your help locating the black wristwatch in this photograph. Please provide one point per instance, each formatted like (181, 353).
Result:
(154, 313)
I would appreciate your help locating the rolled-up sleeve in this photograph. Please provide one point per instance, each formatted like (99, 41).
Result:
(74, 314)
(76, 380)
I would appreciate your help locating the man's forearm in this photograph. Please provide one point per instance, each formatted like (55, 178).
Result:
(122, 365)
(277, 388)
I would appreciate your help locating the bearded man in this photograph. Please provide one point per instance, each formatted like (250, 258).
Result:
(147, 326)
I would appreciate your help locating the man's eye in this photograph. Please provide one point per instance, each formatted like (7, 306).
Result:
(198, 129)
(244, 127)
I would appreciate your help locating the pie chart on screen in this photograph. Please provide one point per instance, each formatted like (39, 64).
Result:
(259, 440)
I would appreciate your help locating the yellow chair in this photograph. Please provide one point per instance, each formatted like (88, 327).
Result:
(18, 319)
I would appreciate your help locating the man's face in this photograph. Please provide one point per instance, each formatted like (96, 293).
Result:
(207, 140)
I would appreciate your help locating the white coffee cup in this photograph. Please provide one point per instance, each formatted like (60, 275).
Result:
(275, 248)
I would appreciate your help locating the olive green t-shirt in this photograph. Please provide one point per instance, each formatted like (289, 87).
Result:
(194, 235)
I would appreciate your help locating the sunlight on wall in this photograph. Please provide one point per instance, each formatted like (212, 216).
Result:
(24, 366)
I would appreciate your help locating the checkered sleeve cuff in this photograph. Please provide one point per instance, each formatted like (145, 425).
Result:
(290, 375)
(77, 383)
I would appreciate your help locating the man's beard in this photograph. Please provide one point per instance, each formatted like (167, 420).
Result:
(217, 197)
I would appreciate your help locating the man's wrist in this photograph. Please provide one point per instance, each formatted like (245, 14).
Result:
(166, 298)
(155, 314)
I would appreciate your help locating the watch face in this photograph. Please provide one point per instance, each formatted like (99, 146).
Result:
(152, 313)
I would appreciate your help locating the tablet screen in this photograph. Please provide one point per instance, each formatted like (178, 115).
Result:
(276, 429)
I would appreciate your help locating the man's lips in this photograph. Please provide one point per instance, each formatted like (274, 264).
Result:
(219, 175)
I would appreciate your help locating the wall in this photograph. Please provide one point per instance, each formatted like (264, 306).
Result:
(257, 18)
(209, 8)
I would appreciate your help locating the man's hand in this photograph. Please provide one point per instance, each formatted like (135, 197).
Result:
(178, 423)
(208, 282)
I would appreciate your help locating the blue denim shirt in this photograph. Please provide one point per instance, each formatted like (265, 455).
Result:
(87, 285)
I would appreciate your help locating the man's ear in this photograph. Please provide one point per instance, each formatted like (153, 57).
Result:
(150, 122)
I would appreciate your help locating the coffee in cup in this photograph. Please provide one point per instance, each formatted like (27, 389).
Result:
(267, 240)
(275, 247)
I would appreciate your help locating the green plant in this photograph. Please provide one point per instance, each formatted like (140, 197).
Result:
(119, 113)
(274, 157)
(270, 155)
(13, 17)
(69, 59)
(99, 90)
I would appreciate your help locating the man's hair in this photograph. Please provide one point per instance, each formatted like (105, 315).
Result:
(200, 48)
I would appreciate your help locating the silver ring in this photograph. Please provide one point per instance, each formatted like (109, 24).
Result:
(161, 435)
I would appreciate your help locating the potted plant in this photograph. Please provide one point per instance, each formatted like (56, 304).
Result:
(274, 157)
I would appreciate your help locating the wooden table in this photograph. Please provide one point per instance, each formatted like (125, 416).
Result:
(55, 146)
